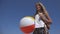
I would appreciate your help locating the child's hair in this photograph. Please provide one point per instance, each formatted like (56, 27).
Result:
(38, 3)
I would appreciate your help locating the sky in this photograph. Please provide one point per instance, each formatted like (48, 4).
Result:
(11, 11)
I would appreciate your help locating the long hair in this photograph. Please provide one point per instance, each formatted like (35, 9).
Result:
(40, 9)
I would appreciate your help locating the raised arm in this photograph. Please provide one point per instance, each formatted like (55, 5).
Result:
(47, 16)
(42, 17)
(46, 13)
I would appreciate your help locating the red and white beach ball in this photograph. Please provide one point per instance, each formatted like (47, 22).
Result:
(27, 24)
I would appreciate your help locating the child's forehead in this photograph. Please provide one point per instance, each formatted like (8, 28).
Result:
(37, 4)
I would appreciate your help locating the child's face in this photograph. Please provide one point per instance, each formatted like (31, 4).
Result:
(38, 7)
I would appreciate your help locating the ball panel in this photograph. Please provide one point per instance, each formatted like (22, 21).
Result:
(26, 21)
(28, 29)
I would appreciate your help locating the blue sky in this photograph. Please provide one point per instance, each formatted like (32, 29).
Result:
(11, 11)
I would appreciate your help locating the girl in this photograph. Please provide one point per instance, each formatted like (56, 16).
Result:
(42, 20)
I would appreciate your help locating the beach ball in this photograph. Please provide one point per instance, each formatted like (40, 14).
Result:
(27, 24)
